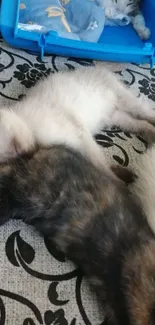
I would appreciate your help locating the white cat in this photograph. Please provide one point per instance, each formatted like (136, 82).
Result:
(68, 108)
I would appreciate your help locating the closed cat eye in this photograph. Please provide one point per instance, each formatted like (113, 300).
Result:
(131, 2)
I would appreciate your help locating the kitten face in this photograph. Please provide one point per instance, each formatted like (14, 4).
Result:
(131, 8)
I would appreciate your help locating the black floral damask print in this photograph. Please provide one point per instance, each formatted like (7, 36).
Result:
(109, 140)
(22, 69)
(29, 75)
(53, 295)
(49, 318)
(147, 85)
(55, 318)
(20, 253)
(16, 246)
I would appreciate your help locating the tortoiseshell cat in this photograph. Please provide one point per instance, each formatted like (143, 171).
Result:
(93, 220)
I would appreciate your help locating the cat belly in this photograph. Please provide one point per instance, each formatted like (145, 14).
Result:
(96, 113)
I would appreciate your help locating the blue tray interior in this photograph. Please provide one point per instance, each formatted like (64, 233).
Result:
(126, 36)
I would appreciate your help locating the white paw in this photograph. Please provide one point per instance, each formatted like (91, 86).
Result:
(109, 12)
(144, 33)
(15, 136)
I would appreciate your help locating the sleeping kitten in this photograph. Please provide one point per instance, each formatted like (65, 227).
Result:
(68, 108)
(130, 8)
(93, 220)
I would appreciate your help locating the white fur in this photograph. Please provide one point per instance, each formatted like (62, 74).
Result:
(68, 108)
(139, 25)
(144, 187)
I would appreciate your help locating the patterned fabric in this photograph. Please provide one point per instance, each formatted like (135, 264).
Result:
(37, 284)
(75, 19)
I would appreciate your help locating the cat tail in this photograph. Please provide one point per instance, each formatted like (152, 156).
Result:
(144, 186)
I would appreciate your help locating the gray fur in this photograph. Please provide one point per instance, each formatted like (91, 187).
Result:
(132, 8)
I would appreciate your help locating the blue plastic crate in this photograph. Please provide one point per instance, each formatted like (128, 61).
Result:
(115, 44)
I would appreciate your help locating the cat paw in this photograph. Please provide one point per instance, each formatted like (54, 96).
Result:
(15, 137)
(109, 12)
(124, 173)
(144, 33)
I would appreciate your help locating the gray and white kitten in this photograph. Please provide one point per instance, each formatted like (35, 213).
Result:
(130, 8)
(94, 220)
(69, 108)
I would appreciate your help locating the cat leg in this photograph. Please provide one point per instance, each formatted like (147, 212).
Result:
(138, 23)
(94, 152)
(138, 108)
(82, 141)
(15, 136)
(86, 145)
(130, 124)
